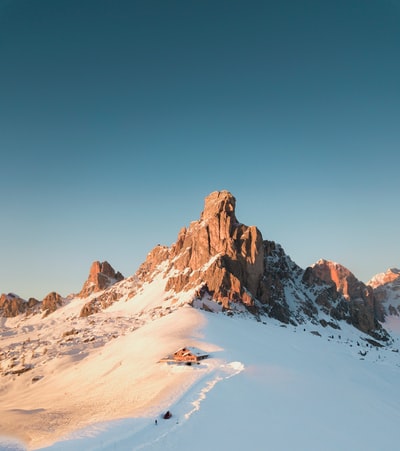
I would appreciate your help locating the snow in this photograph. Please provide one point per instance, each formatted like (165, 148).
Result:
(264, 385)
(290, 390)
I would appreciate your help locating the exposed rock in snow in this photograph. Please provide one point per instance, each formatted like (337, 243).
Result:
(12, 305)
(101, 276)
(51, 302)
(363, 309)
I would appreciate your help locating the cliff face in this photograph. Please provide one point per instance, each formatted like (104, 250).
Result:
(101, 276)
(218, 254)
(363, 309)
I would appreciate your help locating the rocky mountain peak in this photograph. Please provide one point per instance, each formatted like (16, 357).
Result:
(385, 277)
(101, 276)
(12, 305)
(218, 254)
(217, 204)
(365, 309)
(51, 303)
(345, 281)
(386, 287)
(224, 264)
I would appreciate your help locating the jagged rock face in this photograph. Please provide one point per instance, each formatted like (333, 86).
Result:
(386, 287)
(346, 283)
(51, 303)
(101, 276)
(219, 253)
(12, 305)
(364, 309)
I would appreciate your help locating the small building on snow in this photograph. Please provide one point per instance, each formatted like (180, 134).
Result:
(187, 354)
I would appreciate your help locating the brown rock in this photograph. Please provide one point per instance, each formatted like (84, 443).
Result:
(220, 253)
(101, 276)
(363, 309)
(154, 258)
(91, 307)
(51, 303)
(11, 305)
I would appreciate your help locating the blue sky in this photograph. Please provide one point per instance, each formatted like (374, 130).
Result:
(117, 118)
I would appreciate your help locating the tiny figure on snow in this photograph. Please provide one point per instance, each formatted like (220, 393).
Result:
(155, 422)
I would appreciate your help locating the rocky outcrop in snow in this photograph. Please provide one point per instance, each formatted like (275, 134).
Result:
(51, 303)
(101, 276)
(362, 309)
(12, 305)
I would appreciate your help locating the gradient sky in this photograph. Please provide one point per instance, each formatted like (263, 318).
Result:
(118, 117)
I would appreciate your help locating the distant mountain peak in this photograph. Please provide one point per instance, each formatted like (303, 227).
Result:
(384, 277)
(386, 287)
(101, 276)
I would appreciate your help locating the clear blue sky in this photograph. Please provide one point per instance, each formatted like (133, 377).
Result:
(118, 117)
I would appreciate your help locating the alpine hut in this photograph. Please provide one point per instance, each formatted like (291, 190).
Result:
(186, 355)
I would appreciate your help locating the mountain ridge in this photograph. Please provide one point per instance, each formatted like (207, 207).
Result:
(219, 258)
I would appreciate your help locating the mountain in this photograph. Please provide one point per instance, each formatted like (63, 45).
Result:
(386, 289)
(365, 310)
(12, 305)
(101, 276)
(91, 357)
(224, 265)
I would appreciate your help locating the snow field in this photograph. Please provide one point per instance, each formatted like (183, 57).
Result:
(273, 387)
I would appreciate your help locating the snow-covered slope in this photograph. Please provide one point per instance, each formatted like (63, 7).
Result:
(65, 371)
(332, 389)
(264, 386)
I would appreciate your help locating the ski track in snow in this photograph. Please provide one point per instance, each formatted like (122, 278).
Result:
(224, 371)
(144, 431)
